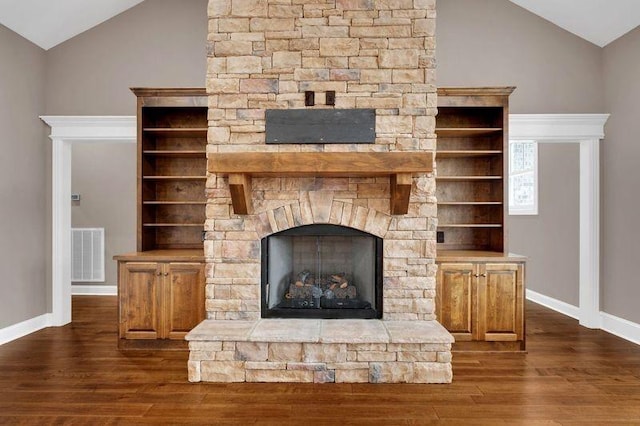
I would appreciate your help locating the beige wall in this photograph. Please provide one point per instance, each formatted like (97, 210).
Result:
(621, 179)
(159, 43)
(556, 227)
(104, 174)
(495, 42)
(23, 248)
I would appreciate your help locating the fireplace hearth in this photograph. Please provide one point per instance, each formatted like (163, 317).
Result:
(322, 271)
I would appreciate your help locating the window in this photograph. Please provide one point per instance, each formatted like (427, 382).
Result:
(523, 178)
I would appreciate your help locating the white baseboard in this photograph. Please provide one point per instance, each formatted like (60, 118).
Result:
(621, 327)
(555, 304)
(94, 290)
(23, 328)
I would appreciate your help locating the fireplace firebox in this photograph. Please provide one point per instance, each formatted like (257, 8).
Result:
(322, 271)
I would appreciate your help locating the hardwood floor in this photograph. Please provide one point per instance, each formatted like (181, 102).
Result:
(76, 375)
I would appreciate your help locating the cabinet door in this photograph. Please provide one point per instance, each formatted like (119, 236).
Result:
(140, 300)
(184, 298)
(455, 298)
(500, 302)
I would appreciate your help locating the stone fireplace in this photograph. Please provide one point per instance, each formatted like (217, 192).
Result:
(347, 230)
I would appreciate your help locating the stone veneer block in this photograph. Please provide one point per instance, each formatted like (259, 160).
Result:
(222, 371)
(285, 352)
(432, 372)
(416, 332)
(251, 351)
(327, 376)
(280, 376)
(321, 205)
(318, 352)
(220, 330)
(352, 376)
(353, 331)
(391, 372)
(286, 330)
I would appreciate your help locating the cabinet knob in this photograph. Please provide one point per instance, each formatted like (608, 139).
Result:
(159, 274)
(484, 275)
(166, 274)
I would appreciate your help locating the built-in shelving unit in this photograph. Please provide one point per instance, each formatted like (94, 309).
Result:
(161, 287)
(479, 286)
(172, 130)
(471, 167)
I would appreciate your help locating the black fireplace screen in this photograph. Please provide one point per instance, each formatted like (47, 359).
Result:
(322, 271)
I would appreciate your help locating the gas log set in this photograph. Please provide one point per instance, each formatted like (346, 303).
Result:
(334, 291)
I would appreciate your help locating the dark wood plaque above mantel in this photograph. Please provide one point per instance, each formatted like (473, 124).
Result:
(399, 166)
(320, 126)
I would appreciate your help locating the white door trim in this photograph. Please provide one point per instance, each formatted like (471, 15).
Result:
(65, 131)
(587, 130)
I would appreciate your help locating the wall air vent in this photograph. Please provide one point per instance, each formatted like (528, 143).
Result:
(87, 255)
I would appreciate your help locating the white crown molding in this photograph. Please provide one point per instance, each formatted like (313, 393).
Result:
(557, 127)
(23, 328)
(65, 131)
(92, 128)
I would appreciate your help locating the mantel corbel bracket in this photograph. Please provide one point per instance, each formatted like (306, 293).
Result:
(399, 166)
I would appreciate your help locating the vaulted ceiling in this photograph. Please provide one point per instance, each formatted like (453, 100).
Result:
(598, 21)
(48, 23)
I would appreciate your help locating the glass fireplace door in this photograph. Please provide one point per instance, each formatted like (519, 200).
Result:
(322, 271)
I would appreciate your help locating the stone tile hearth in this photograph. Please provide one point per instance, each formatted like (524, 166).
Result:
(320, 351)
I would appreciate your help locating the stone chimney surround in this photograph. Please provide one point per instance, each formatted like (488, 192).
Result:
(373, 54)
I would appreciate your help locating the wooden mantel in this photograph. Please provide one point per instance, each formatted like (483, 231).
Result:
(241, 167)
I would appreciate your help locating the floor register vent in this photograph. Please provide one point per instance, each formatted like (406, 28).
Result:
(87, 254)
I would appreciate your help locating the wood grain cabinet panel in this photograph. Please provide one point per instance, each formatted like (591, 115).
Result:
(500, 306)
(455, 299)
(184, 296)
(140, 299)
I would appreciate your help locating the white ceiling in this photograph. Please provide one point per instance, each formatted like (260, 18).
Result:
(48, 23)
(598, 21)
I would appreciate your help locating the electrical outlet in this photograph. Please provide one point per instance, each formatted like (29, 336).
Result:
(309, 98)
(330, 98)
(440, 237)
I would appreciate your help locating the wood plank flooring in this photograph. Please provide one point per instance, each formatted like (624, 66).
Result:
(76, 375)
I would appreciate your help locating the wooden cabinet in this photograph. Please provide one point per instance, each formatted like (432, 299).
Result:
(480, 287)
(141, 293)
(159, 300)
(471, 159)
(482, 303)
(456, 299)
(161, 286)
